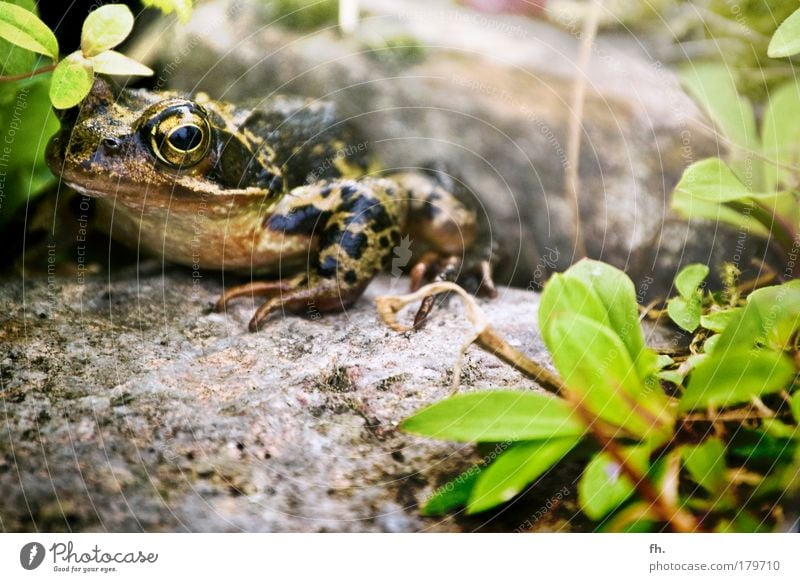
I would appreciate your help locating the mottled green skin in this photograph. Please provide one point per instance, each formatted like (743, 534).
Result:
(284, 188)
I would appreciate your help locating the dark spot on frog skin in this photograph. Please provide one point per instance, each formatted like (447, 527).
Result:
(302, 220)
(328, 267)
(384, 241)
(350, 277)
(353, 243)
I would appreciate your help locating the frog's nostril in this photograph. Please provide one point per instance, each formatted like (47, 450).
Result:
(112, 144)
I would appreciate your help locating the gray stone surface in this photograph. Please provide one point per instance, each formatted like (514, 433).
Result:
(490, 98)
(125, 405)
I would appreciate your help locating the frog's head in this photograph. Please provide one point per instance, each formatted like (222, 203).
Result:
(133, 145)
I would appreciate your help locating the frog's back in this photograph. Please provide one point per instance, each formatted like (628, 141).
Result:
(311, 141)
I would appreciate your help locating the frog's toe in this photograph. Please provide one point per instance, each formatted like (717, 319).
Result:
(474, 276)
(253, 289)
(439, 270)
(420, 273)
(262, 313)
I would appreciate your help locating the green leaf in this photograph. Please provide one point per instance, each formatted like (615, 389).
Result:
(496, 416)
(114, 63)
(771, 317)
(778, 429)
(781, 136)
(105, 28)
(604, 294)
(778, 312)
(663, 360)
(759, 448)
(713, 87)
(710, 190)
(717, 321)
(685, 312)
(786, 40)
(734, 376)
(635, 518)
(24, 29)
(711, 343)
(618, 294)
(713, 181)
(72, 81)
(183, 8)
(796, 407)
(689, 279)
(28, 117)
(15, 60)
(565, 294)
(453, 494)
(597, 369)
(603, 487)
(515, 469)
(693, 208)
(706, 464)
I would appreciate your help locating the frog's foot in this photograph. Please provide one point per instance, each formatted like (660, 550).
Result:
(253, 289)
(475, 276)
(316, 297)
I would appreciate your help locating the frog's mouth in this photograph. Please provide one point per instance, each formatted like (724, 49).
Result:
(100, 176)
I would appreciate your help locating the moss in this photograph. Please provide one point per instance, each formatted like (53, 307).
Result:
(305, 14)
(397, 50)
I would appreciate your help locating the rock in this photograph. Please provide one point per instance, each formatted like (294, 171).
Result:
(490, 96)
(129, 406)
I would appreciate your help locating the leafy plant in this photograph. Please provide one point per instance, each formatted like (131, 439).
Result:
(103, 29)
(182, 8)
(650, 458)
(685, 309)
(756, 188)
(30, 88)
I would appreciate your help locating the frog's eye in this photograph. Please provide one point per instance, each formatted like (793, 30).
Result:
(180, 134)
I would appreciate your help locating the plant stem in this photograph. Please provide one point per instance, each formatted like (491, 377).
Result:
(490, 341)
(572, 177)
(680, 520)
(21, 76)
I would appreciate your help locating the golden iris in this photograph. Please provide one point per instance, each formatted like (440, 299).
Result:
(180, 135)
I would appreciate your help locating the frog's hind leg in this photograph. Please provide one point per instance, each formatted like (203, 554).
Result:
(253, 289)
(358, 223)
(441, 214)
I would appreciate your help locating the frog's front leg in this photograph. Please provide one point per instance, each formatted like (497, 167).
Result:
(356, 223)
(443, 215)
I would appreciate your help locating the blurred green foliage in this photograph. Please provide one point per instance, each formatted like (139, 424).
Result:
(304, 14)
(26, 124)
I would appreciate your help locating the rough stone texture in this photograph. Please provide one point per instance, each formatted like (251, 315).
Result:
(126, 406)
(490, 98)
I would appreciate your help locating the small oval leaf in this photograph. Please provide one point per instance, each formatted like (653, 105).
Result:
(501, 415)
(736, 375)
(105, 28)
(688, 281)
(453, 494)
(24, 29)
(706, 464)
(72, 81)
(786, 40)
(515, 469)
(114, 63)
(604, 487)
(685, 312)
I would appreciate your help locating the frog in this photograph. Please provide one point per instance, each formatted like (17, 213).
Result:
(283, 190)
